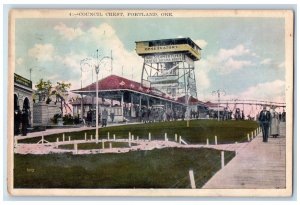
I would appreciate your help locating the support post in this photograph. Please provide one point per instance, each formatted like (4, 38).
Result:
(175, 137)
(137, 138)
(166, 137)
(114, 137)
(85, 136)
(179, 139)
(69, 138)
(107, 135)
(63, 137)
(42, 139)
(110, 145)
(122, 106)
(248, 137)
(216, 139)
(192, 179)
(91, 137)
(132, 137)
(102, 144)
(149, 136)
(207, 141)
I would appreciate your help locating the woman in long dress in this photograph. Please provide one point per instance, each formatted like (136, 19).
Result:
(274, 127)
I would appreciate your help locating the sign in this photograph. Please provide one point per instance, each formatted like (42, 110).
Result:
(22, 81)
(163, 79)
(163, 58)
(167, 85)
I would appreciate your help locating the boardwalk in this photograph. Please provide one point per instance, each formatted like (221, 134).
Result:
(258, 165)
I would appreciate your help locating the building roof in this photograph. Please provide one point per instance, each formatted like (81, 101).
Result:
(172, 40)
(88, 100)
(115, 83)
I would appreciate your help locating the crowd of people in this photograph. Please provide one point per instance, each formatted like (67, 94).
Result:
(21, 121)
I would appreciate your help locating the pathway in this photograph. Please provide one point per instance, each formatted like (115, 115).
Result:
(257, 165)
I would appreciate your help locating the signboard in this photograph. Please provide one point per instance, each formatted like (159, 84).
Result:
(22, 81)
(162, 79)
(163, 58)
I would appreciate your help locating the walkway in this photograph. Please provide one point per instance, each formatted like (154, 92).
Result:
(66, 130)
(258, 165)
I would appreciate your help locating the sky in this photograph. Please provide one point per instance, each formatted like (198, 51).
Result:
(245, 57)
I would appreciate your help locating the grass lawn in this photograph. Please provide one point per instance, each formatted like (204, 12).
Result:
(87, 146)
(158, 168)
(196, 133)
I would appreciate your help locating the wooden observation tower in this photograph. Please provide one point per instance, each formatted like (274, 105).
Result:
(169, 66)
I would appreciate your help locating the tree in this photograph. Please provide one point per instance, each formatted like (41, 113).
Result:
(61, 93)
(44, 89)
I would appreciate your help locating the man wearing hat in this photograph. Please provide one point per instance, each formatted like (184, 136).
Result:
(264, 120)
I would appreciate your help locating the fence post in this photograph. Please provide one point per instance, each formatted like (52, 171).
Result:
(179, 139)
(91, 137)
(76, 148)
(129, 135)
(175, 137)
(69, 138)
(102, 144)
(129, 143)
(248, 137)
(222, 159)
(85, 136)
(166, 137)
(216, 139)
(137, 138)
(63, 137)
(110, 145)
(57, 141)
(207, 141)
(149, 136)
(132, 137)
(192, 179)
(114, 137)
(107, 135)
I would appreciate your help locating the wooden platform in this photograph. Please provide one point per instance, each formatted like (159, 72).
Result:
(257, 165)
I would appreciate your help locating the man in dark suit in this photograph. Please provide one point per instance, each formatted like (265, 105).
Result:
(264, 120)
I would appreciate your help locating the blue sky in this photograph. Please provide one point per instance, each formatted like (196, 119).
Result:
(243, 56)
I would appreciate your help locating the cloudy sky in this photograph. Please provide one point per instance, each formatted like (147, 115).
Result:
(243, 56)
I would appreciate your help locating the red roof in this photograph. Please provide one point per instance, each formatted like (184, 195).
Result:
(114, 82)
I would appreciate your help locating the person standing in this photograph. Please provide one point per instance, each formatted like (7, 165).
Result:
(264, 120)
(112, 115)
(274, 125)
(104, 117)
(24, 122)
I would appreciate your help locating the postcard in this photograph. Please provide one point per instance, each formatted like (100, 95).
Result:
(150, 102)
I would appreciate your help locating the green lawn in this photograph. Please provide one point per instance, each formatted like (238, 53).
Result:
(197, 132)
(159, 168)
(89, 145)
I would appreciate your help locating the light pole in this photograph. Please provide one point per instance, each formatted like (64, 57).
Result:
(83, 63)
(219, 93)
(97, 65)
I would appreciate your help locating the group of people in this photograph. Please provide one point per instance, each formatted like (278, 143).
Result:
(269, 122)
(103, 117)
(160, 114)
(21, 121)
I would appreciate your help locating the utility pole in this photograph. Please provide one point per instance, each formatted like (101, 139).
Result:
(219, 93)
